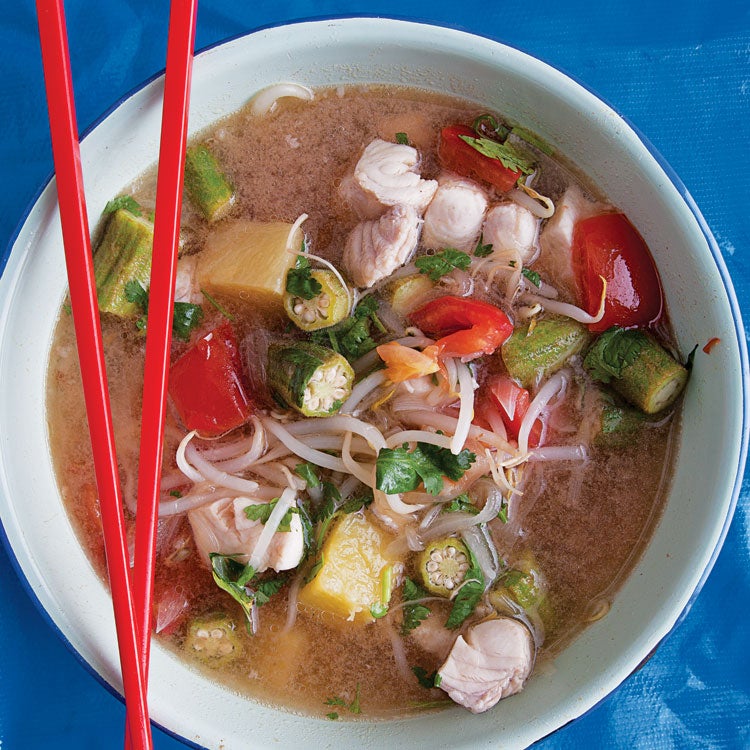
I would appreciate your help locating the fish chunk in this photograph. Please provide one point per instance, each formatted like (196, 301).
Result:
(376, 248)
(511, 229)
(556, 239)
(187, 288)
(454, 217)
(490, 662)
(387, 174)
(222, 526)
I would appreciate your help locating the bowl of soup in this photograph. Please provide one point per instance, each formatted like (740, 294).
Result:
(450, 344)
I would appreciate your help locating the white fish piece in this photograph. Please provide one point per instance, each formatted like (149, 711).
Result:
(432, 636)
(222, 526)
(511, 229)
(186, 284)
(490, 662)
(388, 173)
(376, 248)
(454, 217)
(556, 239)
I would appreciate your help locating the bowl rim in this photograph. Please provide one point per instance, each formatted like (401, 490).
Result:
(664, 165)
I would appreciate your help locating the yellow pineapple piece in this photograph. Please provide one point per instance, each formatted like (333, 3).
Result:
(349, 581)
(248, 260)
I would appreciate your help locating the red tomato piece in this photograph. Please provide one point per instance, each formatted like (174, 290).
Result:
(609, 245)
(512, 402)
(466, 328)
(458, 156)
(205, 384)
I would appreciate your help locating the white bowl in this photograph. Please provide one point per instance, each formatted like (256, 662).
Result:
(701, 303)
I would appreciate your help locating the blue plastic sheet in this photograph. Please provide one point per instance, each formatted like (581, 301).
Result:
(680, 71)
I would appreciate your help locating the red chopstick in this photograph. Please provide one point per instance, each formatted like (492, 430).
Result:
(79, 262)
(182, 19)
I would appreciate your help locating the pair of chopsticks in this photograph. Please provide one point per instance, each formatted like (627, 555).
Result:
(132, 599)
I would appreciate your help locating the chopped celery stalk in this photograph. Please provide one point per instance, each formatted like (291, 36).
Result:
(637, 367)
(214, 640)
(123, 255)
(532, 354)
(206, 185)
(310, 378)
(443, 565)
(324, 309)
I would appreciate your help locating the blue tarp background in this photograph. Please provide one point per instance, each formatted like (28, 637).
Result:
(679, 70)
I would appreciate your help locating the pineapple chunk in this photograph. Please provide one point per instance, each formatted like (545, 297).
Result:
(349, 581)
(248, 260)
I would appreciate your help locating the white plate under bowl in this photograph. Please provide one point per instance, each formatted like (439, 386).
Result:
(701, 303)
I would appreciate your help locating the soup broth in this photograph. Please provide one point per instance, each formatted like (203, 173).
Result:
(578, 490)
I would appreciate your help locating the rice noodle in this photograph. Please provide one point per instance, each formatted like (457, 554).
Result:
(478, 540)
(178, 505)
(182, 463)
(450, 523)
(303, 451)
(554, 386)
(366, 476)
(340, 423)
(266, 101)
(253, 453)
(540, 205)
(270, 527)
(362, 389)
(399, 655)
(466, 409)
(559, 453)
(217, 477)
(291, 605)
(422, 436)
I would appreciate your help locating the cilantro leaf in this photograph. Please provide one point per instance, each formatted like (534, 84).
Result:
(482, 250)
(425, 680)
(397, 470)
(300, 282)
(438, 265)
(468, 595)
(232, 576)
(307, 472)
(508, 156)
(402, 138)
(616, 349)
(262, 512)
(532, 276)
(126, 202)
(266, 589)
(187, 316)
(461, 504)
(414, 613)
(137, 294)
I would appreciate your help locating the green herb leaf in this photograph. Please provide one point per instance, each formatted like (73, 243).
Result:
(402, 138)
(137, 294)
(378, 610)
(482, 250)
(333, 716)
(487, 122)
(232, 576)
(308, 472)
(438, 265)
(175, 493)
(262, 512)
(266, 589)
(503, 152)
(425, 680)
(220, 308)
(468, 596)
(614, 350)
(414, 614)
(300, 282)
(461, 504)
(532, 276)
(187, 316)
(124, 201)
(397, 470)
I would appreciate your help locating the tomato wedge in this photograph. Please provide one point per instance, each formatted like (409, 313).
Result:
(458, 156)
(205, 384)
(466, 328)
(512, 402)
(609, 246)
